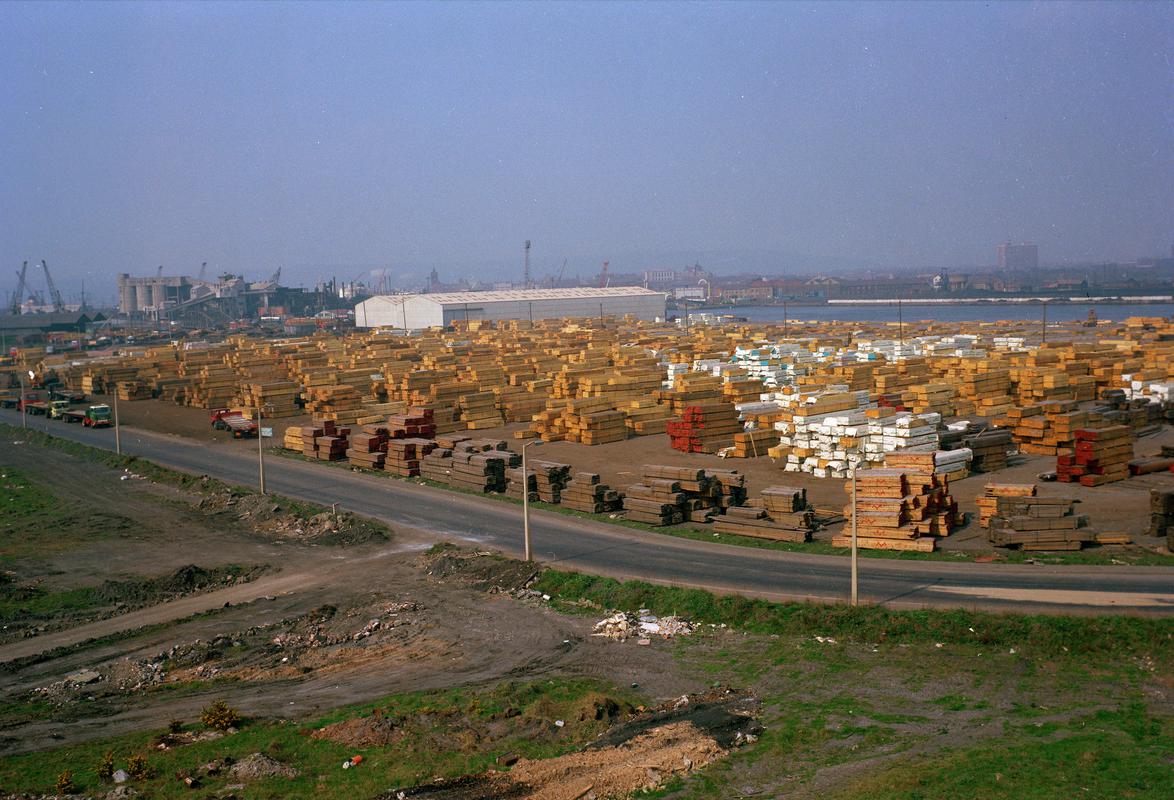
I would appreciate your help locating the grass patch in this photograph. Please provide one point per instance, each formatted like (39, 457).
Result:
(445, 734)
(1123, 753)
(1041, 633)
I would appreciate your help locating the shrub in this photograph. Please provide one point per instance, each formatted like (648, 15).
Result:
(220, 716)
(138, 768)
(175, 726)
(106, 767)
(65, 783)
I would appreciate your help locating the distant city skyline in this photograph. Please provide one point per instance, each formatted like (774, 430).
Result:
(755, 137)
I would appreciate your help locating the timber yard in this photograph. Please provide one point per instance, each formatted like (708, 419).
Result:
(442, 446)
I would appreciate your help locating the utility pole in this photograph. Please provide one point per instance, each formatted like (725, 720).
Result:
(526, 497)
(117, 427)
(855, 575)
(24, 413)
(260, 451)
(526, 284)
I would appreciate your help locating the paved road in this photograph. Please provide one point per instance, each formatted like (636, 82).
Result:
(619, 552)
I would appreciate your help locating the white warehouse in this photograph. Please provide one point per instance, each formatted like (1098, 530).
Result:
(417, 311)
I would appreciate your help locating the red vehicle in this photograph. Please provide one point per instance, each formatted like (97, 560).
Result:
(32, 403)
(224, 419)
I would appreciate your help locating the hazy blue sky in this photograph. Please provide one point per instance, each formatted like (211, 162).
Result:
(333, 137)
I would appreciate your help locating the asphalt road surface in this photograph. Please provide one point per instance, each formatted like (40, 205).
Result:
(599, 548)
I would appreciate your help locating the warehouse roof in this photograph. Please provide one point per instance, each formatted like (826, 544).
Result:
(534, 294)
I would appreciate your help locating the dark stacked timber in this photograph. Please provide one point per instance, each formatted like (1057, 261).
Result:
(704, 428)
(546, 481)
(584, 492)
(1098, 456)
(899, 509)
(1038, 523)
(781, 514)
(478, 471)
(668, 495)
(989, 449)
(1162, 514)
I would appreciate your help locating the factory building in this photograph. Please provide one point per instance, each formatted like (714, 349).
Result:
(418, 311)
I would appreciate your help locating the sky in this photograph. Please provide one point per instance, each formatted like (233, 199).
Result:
(335, 138)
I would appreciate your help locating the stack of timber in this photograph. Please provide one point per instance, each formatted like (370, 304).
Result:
(1098, 457)
(584, 492)
(133, 390)
(478, 471)
(667, 495)
(292, 440)
(325, 442)
(1162, 515)
(899, 510)
(704, 428)
(404, 455)
(368, 447)
(988, 449)
(277, 398)
(645, 416)
(781, 514)
(414, 423)
(479, 410)
(546, 481)
(337, 402)
(1047, 428)
(1038, 523)
(988, 503)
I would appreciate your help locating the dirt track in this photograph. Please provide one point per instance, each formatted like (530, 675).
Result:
(459, 634)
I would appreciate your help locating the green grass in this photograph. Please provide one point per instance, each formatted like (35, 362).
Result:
(1123, 753)
(444, 737)
(1042, 634)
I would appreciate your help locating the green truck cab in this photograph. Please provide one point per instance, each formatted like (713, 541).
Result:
(97, 417)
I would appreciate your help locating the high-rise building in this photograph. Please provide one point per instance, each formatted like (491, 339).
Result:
(1018, 256)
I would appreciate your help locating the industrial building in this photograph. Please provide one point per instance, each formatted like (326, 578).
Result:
(418, 311)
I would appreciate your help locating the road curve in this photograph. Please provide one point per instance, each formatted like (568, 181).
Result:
(620, 552)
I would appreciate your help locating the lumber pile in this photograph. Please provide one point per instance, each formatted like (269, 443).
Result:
(325, 442)
(584, 492)
(415, 423)
(545, 481)
(403, 455)
(133, 390)
(475, 471)
(781, 513)
(1162, 514)
(704, 428)
(988, 503)
(900, 508)
(478, 410)
(667, 495)
(1038, 523)
(1098, 456)
(368, 447)
(988, 449)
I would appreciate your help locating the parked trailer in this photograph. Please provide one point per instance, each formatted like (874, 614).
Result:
(241, 428)
(57, 408)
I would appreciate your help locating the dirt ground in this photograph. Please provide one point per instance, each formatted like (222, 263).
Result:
(331, 625)
(1115, 507)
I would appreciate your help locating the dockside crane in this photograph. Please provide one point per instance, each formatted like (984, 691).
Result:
(604, 278)
(54, 295)
(18, 295)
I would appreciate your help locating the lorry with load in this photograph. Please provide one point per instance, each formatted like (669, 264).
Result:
(93, 417)
(234, 420)
(57, 408)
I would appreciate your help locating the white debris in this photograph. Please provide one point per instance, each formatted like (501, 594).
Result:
(625, 625)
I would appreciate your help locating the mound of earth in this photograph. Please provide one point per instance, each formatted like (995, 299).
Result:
(279, 517)
(479, 570)
(258, 765)
(373, 731)
(184, 580)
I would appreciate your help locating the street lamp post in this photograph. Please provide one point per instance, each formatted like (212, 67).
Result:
(526, 496)
(854, 551)
(260, 449)
(24, 412)
(117, 428)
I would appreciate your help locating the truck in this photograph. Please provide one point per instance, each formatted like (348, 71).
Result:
(69, 395)
(234, 420)
(57, 408)
(96, 417)
(32, 402)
